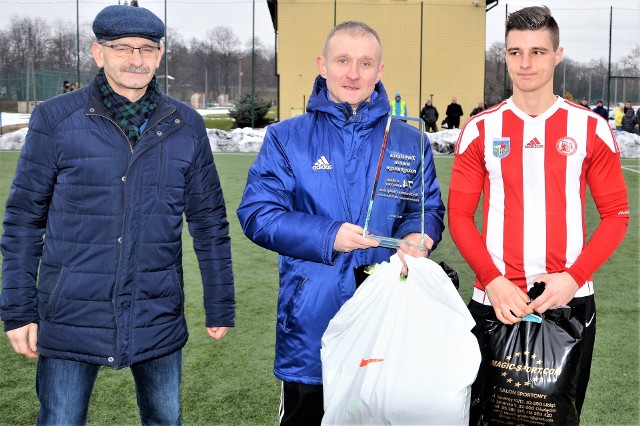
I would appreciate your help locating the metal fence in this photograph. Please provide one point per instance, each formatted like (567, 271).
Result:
(601, 49)
(62, 35)
(43, 84)
(596, 43)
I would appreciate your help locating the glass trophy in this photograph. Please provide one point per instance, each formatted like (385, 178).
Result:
(396, 204)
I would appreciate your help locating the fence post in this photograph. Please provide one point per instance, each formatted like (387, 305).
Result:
(609, 70)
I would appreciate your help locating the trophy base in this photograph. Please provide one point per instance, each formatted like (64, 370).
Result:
(394, 243)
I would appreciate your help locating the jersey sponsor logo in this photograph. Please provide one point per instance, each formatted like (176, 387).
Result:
(366, 362)
(567, 146)
(534, 143)
(322, 164)
(501, 147)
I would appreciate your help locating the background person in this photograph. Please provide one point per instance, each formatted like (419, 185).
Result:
(95, 213)
(453, 113)
(306, 199)
(601, 110)
(619, 113)
(398, 106)
(429, 114)
(478, 109)
(584, 103)
(629, 121)
(536, 141)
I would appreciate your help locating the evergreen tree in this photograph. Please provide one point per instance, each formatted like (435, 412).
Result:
(242, 113)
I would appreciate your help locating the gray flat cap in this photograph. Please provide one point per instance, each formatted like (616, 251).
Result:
(115, 22)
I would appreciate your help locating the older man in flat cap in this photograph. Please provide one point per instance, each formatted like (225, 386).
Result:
(92, 270)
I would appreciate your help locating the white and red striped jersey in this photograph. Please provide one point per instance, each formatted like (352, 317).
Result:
(533, 173)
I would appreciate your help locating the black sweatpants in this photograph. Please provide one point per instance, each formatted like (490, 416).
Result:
(301, 405)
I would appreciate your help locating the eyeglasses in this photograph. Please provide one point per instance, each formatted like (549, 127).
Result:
(124, 50)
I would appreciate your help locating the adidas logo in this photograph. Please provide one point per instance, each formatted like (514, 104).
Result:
(534, 143)
(322, 164)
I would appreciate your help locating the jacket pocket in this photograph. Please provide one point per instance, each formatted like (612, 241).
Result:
(295, 305)
(49, 279)
(176, 274)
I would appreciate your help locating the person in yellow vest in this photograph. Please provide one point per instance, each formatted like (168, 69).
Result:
(398, 107)
(618, 117)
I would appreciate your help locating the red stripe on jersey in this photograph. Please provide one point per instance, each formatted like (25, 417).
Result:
(486, 191)
(513, 181)
(555, 170)
(534, 194)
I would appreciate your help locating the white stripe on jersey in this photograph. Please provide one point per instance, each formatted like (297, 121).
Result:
(533, 195)
(577, 122)
(495, 218)
(534, 184)
(535, 199)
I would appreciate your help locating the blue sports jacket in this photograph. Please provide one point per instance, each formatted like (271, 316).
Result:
(98, 225)
(313, 173)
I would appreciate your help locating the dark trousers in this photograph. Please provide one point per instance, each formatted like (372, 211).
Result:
(431, 127)
(481, 312)
(301, 405)
(454, 122)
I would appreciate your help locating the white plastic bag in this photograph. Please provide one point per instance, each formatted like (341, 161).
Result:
(400, 352)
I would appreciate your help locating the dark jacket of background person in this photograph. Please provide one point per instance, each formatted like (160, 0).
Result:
(584, 103)
(476, 110)
(110, 287)
(629, 121)
(429, 114)
(602, 111)
(315, 172)
(454, 112)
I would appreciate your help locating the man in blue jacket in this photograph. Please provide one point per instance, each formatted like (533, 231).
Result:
(306, 199)
(106, 174)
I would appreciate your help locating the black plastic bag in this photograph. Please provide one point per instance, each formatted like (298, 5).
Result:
(529, 371)
(451, 273)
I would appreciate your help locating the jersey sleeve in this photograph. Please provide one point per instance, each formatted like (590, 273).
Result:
(608, 189)
(467, 179)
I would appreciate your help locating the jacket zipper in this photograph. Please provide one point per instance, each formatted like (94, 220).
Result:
(124, 207)
(118, 127)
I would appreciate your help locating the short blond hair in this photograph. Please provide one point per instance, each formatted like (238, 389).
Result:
(354, 28)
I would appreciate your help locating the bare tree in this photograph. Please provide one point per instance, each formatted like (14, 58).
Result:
(27, 42)
(61, 54)
(494, 83)
(226, 46)
(632, 61)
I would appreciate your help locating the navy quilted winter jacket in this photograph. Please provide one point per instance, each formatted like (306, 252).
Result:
(98, 226)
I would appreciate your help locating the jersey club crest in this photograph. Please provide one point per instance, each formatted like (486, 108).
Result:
(501, 147)
(566, 146)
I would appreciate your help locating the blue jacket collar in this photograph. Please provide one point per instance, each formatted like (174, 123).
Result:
(368, 111)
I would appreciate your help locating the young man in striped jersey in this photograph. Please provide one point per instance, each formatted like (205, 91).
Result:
(532, 157)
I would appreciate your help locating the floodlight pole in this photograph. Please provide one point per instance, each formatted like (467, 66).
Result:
(504, 65)
(77, 43)
(609, 70)
(253, 66)
(421, 52)
(166, 51)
